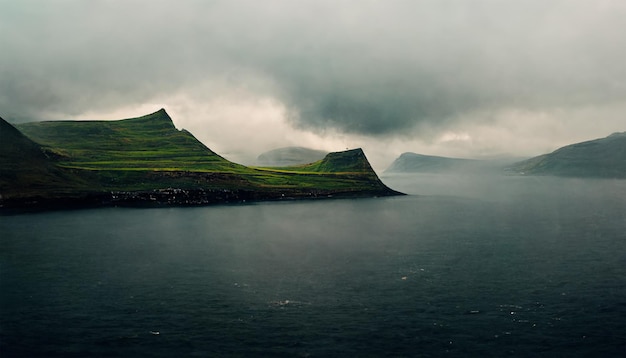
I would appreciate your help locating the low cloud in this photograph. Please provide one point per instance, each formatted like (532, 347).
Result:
(396, 70)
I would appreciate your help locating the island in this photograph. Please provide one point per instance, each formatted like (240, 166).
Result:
(147, 161)
(419, 163)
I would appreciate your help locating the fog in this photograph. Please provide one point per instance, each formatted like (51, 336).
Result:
(486, 78)
(494, 187)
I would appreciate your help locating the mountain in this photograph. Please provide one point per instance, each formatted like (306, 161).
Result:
(16, 150)
(289, 156)
(350, 161)
(602, 158)
(27, 164)
(148, 142)
(419, 163)
(146, 160)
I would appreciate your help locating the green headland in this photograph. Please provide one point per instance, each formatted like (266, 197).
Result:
(147, 161)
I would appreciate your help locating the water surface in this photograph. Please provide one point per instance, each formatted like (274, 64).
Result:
(504, 266)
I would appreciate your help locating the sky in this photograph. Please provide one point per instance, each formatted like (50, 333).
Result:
(472, 79)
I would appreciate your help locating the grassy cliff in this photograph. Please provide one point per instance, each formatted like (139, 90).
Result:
(146, 159)
(150, 142)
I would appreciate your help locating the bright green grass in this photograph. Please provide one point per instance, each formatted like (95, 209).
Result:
(148, 142)
(149, 152)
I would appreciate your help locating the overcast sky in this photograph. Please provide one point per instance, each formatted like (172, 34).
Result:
(459, 78)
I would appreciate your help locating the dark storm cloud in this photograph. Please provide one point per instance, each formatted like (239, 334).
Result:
(372, 67)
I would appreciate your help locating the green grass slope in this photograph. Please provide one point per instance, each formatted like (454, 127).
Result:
(14, 145)
(150, 142)
(148, 154)
(601, 158)
(27, 169)
(347, 171)
(349, 161)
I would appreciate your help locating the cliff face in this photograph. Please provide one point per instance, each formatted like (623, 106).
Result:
(349, 161)
(147, 160)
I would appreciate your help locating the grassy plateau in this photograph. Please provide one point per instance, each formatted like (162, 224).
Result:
(148, 160)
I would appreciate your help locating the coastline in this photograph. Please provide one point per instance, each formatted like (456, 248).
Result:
(175, 197)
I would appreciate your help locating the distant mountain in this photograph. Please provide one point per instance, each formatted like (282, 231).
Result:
(289, 156)
(602, 158)
(349, 161)
(419, 163)
(147, 161)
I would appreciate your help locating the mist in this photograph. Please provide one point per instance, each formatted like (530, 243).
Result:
(440, 77)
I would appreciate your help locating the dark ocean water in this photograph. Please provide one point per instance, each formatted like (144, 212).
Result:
(475, 267)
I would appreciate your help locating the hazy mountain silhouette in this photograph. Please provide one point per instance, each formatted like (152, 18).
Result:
(418, 163)
(288, 156)
(603, 158)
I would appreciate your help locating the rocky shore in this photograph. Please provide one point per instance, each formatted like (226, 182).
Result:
(176, 197)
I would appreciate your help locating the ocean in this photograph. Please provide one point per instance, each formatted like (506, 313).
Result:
(475, 266)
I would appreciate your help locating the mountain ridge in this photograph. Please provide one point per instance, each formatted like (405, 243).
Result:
(89, 144)
(147, 161)
(410, 162)
(601, 158)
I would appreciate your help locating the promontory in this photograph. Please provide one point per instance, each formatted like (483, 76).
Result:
(147, 161)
